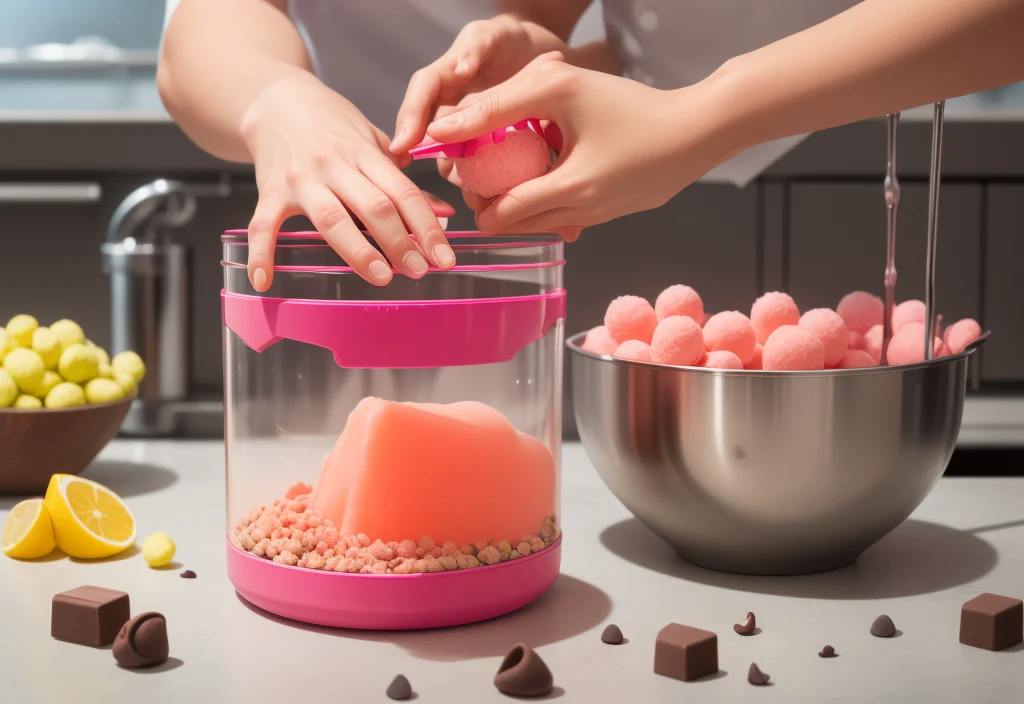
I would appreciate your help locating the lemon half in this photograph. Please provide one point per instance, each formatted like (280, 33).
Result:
(89, 520)
(28, 531)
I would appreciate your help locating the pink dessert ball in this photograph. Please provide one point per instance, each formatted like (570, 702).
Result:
(861, 311)
(831, 330)
(723, 359)
(960, 334)
(856, 340)
(770, 312)
(599, 341)
(791, 348)
(873, 342)
(680, 300)
(756, 361)
(633, 350)
(907, 345)
(498, 168)
(856, 359)
(730, 331)
(631, 318)
(907, 312)
(677, 340)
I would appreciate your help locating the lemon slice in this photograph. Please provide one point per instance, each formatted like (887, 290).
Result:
(28, 531)
(89, 520)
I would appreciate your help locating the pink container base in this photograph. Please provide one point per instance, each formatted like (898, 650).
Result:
(393, 602)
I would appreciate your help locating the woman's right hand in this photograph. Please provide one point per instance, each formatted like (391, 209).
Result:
(316, 154)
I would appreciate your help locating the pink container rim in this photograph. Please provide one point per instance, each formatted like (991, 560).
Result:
(499, 240)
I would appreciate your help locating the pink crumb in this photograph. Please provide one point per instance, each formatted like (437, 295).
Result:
(856, 359)
(677, 340)
(730, 331)
(907, 312)
(757, 361)
(631, 318)
(907, 345)
(634, 351)
(498, 168)
(861, 311)
(680, 300)
(831, 330)
(960, 334)
(792, 348)
(770, 312)
(599, 341)
(297, 489)
(723, 359)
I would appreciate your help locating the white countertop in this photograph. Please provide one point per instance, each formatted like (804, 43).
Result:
(967, 538)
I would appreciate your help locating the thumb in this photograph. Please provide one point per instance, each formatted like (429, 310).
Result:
(519, 98)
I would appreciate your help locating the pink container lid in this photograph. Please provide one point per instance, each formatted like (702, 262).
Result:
(432, 149)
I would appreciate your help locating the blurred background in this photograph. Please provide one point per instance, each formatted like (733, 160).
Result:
(82, 127)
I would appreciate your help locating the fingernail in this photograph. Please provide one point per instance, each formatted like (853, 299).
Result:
(379, 271)
(400, 137)
(259, 279)
(453, 120)
(444, 255)
(414, 262)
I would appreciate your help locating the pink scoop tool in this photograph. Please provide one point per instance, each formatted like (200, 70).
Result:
(432, 149)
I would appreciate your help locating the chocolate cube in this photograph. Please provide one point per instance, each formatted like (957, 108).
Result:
(992, 622)
(685, 653)
(89, 615)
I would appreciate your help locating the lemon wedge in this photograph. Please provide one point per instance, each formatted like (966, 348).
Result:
(28, 531)
(89, 520)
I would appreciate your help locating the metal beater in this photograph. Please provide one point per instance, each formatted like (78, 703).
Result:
(892, 201)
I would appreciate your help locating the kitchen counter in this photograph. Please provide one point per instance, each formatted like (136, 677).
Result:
(967, 538)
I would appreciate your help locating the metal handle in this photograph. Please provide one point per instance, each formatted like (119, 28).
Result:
(50, 192)
(934, 178)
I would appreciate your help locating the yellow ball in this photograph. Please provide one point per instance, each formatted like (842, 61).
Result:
(101, 390)
(8, 389)
(65, 395)
(129, 363)
(106, 371)
(79, 364)
(3, 343)
(26, 401)
(21, 328)
(50, 379)
(68, 332)
(158, 549)
(47, 346)
(100, 352)
(26, 368)
(125, 381)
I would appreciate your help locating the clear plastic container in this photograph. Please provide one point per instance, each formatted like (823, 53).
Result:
(393, 452)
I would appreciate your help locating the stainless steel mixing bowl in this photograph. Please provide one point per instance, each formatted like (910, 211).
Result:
(768, 473)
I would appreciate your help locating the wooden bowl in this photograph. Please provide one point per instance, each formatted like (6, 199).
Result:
(37, 443)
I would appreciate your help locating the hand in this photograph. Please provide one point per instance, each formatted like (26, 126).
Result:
(484, 54)
(315, 154)
(625, 147)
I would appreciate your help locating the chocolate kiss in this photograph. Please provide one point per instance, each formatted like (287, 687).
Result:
(755, 676)
(611, 635)
(827, 652)
(142, 641)
(883, 627)
(399, 689)
(523, 674)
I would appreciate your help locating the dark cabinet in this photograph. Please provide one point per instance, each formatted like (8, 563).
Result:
(1004, 284)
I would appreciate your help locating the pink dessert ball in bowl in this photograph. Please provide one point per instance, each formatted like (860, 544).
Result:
(631, 318)
(677, 340)
(856, 359)
(722, 359)
(907, 312)
(792, 348)
(907, 346)
(680, 300)
(634, 351)
(756, 362)
(873, 342)
(730, 331)
(770, 312)
(831, 330)
(861, 311)
(960, 334)
(599, 341)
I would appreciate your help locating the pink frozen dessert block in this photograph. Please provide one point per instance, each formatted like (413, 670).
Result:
(455, 472)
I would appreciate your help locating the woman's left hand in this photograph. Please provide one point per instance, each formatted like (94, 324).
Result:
(626, 147)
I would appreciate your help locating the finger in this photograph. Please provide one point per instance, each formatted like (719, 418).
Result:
(542, 223)
(381, 218)
(422, 94)
(331, 220)
(271, 211)
(445, 167)
(539, 195)
(413, 208)
(519, 98)
(475, 201)
(442, 209)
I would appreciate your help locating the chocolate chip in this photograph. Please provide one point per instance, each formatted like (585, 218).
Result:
(523, 674)
(188, 574)
(883, 627)
(827, 652)
(399, 689)
(142, 642)
(746, 629)
(611, 635)
(756, 677)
